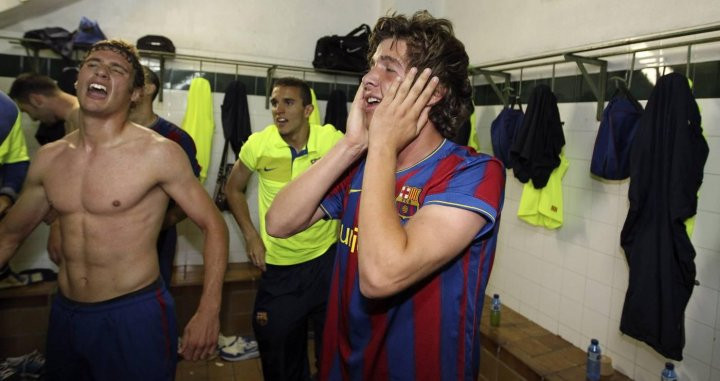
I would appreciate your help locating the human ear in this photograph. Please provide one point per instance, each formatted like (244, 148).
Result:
(308, 110)
(36, 100)
(136, 93)
(437, 95)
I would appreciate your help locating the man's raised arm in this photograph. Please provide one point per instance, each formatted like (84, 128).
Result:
(297, 206)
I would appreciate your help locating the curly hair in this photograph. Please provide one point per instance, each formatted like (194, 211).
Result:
(126, 50)
(431, 43)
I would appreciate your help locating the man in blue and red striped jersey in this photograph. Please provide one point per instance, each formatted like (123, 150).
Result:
(419, 214)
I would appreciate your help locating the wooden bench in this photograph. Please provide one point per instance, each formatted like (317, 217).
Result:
(519, 349)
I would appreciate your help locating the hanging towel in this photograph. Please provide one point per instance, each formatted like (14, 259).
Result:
(236, 115)
(315, 114)
(544, 207)
(535, 153)
(336, 110)
(666, 169)
(199, 123)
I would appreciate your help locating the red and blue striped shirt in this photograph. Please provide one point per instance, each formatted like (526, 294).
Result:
(170, 131)
(429, 331)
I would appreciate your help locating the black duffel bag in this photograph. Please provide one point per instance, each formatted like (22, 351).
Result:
(345, 53)
(155, 43)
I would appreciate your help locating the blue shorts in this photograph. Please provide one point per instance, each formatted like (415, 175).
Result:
(131, 337)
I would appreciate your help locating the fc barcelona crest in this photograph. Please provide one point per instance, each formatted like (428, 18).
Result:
(408, 201)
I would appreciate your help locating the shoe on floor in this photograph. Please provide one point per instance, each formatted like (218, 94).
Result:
(224, 341)
(240, 349)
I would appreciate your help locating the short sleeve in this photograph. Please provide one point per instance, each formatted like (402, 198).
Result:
(248, 153)
(333, 203)
(478, 186)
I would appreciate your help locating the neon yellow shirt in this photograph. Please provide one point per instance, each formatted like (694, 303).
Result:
(266, 153)
(544, 207)
(13, 149)
(199, 122)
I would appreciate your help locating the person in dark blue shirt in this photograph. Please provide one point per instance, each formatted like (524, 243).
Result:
(143, 114)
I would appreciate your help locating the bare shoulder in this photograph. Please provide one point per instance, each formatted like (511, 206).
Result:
(54, 150)
(156, 147)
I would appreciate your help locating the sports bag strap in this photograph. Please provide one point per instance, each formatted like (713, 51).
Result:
(362, 28)
(223, 159)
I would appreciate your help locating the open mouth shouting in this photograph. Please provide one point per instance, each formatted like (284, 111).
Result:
(97, 91)
(371, 102)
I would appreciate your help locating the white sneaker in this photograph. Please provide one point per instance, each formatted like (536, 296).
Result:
(224, 341)
(240, 349)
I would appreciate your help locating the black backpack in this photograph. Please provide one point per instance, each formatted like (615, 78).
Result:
(156, 43)
(344, 53)
(58, 39)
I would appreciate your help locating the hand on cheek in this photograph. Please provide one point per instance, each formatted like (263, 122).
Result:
(403, 111)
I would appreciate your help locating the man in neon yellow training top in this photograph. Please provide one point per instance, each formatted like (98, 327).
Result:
(14, 159)
(297, 270)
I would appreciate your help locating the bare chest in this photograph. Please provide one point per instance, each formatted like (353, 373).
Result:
(99, 184)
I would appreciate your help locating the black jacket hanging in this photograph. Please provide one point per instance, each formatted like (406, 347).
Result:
(236, 115)
(336, 110)
(666, 170)
(537, 146)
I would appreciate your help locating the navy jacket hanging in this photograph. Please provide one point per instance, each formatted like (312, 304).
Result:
(235, 115)
(537, 146)
(503, 131)
(666, 170)
(336, 110)
(611, 155)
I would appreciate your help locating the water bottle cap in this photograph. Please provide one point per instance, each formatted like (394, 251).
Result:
(669, 365)
(594, 342)
(496, 296)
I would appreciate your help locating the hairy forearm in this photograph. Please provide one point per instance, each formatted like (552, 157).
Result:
(294, 206)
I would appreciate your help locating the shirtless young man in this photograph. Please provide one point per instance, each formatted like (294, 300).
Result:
(110, 182)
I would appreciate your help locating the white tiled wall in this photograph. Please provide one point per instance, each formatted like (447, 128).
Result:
(572, 281)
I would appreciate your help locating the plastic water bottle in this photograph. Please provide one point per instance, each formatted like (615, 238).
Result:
(668, 374)
(495, 311)
(593, 361)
